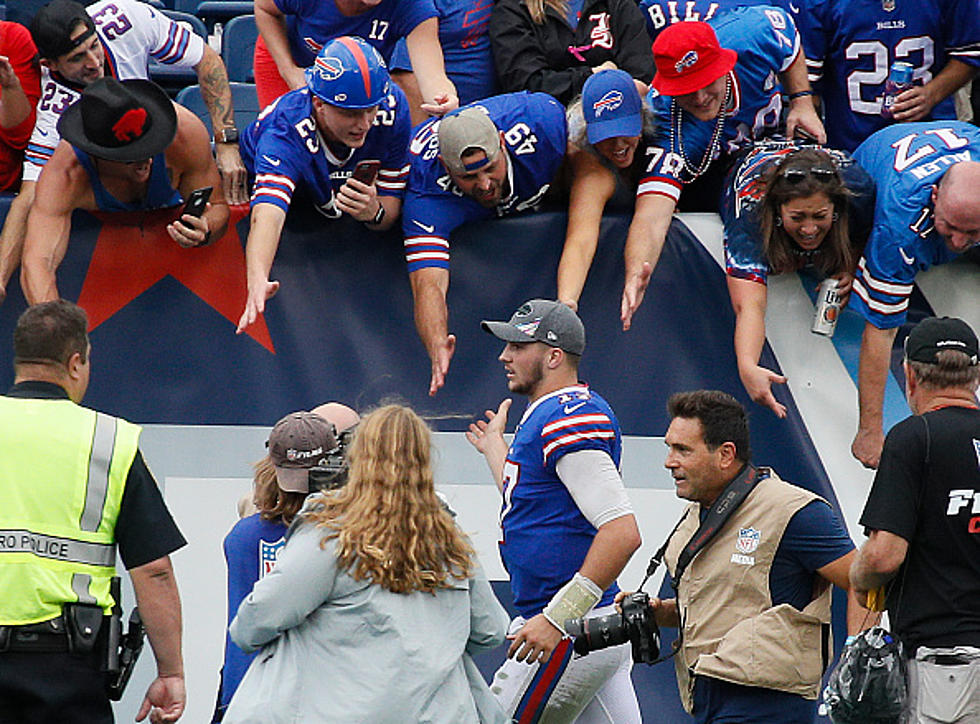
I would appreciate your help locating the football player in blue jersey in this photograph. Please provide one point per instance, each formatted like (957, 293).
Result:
(717, 89)
(567, 525)
(493, 158)
(850, 48)
(926, 213)
(349, 119)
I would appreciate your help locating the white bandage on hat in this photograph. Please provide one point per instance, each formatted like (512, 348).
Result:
(575, 599)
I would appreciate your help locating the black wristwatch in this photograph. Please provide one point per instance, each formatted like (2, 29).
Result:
(226, 135)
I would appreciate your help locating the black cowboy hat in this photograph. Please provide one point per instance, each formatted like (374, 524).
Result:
(128, 120)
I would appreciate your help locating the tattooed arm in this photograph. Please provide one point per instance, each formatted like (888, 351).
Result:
(213, 79)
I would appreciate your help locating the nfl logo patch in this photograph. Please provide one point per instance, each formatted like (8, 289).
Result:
(269, 554)
(887, 5)
(748, 540)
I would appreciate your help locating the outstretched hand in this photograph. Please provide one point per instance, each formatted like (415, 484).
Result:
(258, 294)
(758, 382)
(441, 357)
(633, 291)
(482, 433)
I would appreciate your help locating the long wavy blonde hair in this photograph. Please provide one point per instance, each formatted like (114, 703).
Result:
(389, 524)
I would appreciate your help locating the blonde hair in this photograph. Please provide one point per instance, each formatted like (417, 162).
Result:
(273, 502)
(536, 8)
(389, 525)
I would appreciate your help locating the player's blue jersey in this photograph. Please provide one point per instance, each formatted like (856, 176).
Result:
(282, 148)
(534, 131)
(544, 535)
(661, 13)
(766, 41)
(850, 46)
(745, 187)
(310, 24)
(906, 160)
(465, 40)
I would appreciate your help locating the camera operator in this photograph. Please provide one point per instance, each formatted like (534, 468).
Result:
(377, 600)
(307, 452)
(73, 486)
(753, 602)
(923, 527)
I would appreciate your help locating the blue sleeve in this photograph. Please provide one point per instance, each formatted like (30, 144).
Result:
(814, 537)
(811, 27)
(576, 426)
(963, 36)
(400, 59)
(409, 14)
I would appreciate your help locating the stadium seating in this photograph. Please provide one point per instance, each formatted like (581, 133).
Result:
(243, 97)
(22, 11)
(221, 11)
(237, 46)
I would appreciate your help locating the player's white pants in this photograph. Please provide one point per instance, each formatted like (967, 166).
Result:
(593, 689)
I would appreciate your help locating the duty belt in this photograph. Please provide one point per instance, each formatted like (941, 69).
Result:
(47, 637)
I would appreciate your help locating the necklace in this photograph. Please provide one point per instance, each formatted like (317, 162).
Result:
(677, 113)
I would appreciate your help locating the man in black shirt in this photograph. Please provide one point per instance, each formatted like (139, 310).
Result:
(923, 524)
(73, 488)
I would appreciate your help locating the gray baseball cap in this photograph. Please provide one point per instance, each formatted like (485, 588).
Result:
(469, 129)
(542, 320)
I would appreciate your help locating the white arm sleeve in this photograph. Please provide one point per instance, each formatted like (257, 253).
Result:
(595, 485)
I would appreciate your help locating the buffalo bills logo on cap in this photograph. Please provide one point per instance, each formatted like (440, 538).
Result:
(688, 60)
(329, 68)
(130, 125)
(609, 102)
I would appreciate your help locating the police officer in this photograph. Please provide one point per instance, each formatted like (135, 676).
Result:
(73, 485)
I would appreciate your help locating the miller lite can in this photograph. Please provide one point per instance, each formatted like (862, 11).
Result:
(899, 81)
(827, 308)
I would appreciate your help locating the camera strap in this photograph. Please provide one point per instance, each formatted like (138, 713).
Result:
(718, 514)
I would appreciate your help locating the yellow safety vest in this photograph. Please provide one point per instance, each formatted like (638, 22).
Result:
(63, 469)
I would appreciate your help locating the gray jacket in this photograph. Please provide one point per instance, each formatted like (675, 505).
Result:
(340, 650)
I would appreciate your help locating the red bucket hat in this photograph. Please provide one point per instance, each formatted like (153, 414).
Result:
(688, 58)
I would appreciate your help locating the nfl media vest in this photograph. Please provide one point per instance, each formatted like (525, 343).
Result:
(732, 631)
(63, 469)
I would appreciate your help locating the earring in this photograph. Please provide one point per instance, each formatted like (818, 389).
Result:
(778, 221)
(835, 217)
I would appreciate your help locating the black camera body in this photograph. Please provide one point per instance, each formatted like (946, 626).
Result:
(635, 624)
(331, 472)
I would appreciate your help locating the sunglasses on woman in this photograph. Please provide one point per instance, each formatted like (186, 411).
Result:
(797, 174)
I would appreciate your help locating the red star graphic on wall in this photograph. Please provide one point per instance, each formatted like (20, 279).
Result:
(129, 258)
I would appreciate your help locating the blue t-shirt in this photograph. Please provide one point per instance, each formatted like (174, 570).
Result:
(282, 148)
(906, 160)
(744, 189)
(544, 536)
(465, 40)
(766, 41)
(251, 550)
(850, 46)
(814, 537)
(310, 24)
(533, 126)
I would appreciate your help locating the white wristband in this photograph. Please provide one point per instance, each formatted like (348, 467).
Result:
(575, 599)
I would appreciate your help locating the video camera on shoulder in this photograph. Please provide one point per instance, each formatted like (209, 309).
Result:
(634, 623)
(331, 473)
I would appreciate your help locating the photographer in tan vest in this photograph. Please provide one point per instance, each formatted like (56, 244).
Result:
(752, 561)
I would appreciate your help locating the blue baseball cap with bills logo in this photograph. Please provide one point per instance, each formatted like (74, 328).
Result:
(611, 106)
(348, 73)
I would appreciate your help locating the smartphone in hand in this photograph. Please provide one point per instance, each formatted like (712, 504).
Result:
(197, 202)
(366, 171)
